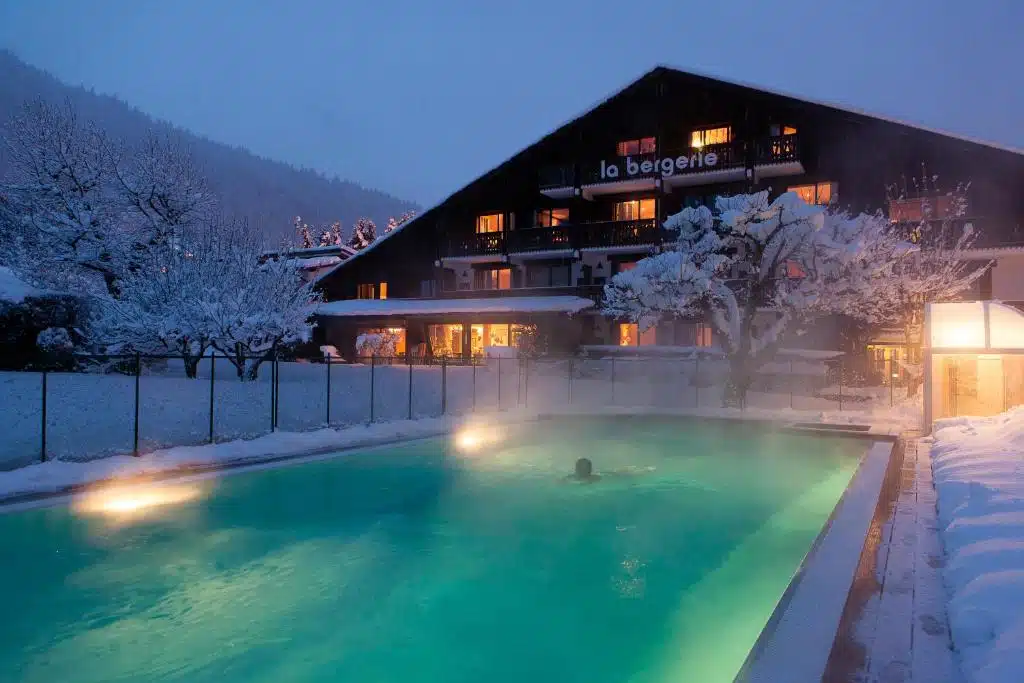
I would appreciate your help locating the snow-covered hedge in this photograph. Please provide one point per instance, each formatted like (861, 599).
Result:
(978, 468)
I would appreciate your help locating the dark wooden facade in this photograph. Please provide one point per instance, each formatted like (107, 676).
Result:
(775, 142)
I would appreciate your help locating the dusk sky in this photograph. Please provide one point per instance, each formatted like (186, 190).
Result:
(419, 97)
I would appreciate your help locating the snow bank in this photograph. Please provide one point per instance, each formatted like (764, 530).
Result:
(57, 475)
(978, 468)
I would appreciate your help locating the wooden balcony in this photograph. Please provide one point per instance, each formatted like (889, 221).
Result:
(603, 235)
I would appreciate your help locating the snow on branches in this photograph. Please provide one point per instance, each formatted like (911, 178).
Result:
(364, 232)
(753, 267)
(401, 220)
(83, 209)
(208, 290)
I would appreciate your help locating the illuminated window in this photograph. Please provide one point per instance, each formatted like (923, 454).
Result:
(711, 136)
(623, 267)
(775, 130)
(549, 218)
(445, 340)
(381, 341)
(368, 291)
(630, 335)
(703, 335)
(492, 222)
(482, 336)
(788, 130)
(520, 334)
(542, 275)
(795, 271)
(818, 193)
(633, 147)
(634, 209)
(494, 278)
(383, 290)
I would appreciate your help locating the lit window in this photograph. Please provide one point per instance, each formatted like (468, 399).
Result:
(635, 209)
(388, 341)
(383, 290)
(494, 278)
(483, 336)
(549, 218)
(639, 146)
(630, 335)
(795, 271)
(711, 136)
(818, 193)
(492, 222)
(366, 292)
(445, 340)
(703, 335)
(788, 130)
(775, 130)
(623, 267)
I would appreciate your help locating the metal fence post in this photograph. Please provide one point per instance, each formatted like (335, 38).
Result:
(373, 365)
(840, 384)
(277, 390)
(499, 382)
(892, 381)
(696, 379)
(410, 391)
(273, 389)
(138, 374)
(569, 373)
(328, 390)
(791, 384)
(43, 445)
(526, 382)
(444, 386)
(213, 369)
(473, 409)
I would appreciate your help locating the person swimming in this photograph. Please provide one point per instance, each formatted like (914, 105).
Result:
(584, 471)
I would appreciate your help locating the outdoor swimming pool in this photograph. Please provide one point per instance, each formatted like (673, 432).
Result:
(418, 562)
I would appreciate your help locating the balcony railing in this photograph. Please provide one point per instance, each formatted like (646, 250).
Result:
(579, 236)
(666, 163)
(479, 244)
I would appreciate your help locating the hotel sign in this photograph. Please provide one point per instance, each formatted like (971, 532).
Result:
(666, 167)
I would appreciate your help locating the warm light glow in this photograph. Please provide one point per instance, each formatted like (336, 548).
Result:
(132, 501)
(471, 438)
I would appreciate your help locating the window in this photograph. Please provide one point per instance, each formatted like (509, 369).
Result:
(549, 218)
(494, 278)
(386, 342)
(627, 148)
(367, 291)
(795, 271)
(703, 335)
(623, 267)
(492, 222)
(775, 130)
(383, 289)
(818, 193)
(634, 209)
(548, 275)
(483, 336)
(445, 340)
(711, 136)
(630, 335)
(427, 288)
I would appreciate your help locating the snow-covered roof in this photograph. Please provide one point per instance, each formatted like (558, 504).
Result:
(13, 289)
(508, 304)
(315, 262)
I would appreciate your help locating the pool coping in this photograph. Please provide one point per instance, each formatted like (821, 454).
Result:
(822, 646)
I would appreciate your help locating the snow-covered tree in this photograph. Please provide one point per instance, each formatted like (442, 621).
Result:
(337, 239)
(364, 232)
(395, 222)
(208, 290)
(752, 267)
(81, 209)
(304, 233)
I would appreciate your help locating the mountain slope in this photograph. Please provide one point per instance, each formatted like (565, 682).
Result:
(269, 193)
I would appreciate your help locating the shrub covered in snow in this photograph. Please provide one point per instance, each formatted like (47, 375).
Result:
(54, 339)
(380, 344)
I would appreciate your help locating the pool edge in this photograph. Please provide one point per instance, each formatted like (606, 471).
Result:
(836, 653)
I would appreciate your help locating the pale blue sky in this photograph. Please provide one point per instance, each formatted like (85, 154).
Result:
(417, 97)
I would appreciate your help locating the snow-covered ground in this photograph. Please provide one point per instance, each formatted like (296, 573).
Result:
(93, 415)
(978, 466)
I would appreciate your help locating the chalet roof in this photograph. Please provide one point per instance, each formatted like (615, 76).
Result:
(657, 71)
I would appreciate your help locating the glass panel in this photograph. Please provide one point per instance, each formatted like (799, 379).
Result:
(647, 145)
(494, 222)
(383, 290)
(825, 193)
(560, 276)
(628, 334)
(646, 208)
(711, 136)
(649, 336)
(626, 211)
(365, 291)
(496, 335)
(628, 147)
(537, 276)
(446, 340)
(381, 342)
(559, 216)
(504, 278)
(703, 337)
(629, 265)
(788, 130)
(805, 192)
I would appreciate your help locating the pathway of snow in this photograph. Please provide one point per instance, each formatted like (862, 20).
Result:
(978, 465)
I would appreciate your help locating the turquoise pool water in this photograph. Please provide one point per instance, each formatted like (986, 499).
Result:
(418, 563)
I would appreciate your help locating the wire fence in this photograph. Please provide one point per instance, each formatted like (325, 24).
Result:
(135, 404)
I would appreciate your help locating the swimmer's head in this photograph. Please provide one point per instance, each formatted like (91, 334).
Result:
(584, 468)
